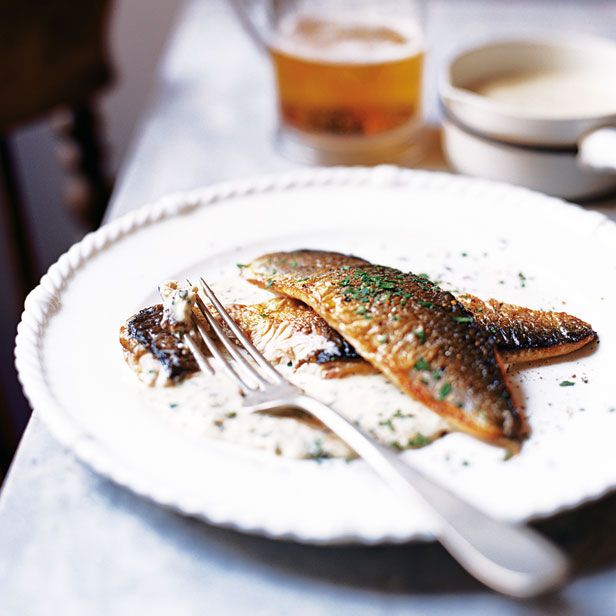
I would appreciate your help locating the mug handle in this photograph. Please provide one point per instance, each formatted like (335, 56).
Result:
(243, 16)
(597, 149)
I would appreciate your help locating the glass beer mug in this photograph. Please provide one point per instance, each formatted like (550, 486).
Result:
(348, 76)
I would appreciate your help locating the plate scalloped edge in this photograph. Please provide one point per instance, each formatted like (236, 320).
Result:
(43, 301)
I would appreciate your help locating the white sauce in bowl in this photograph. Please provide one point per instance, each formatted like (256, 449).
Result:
(563, 93)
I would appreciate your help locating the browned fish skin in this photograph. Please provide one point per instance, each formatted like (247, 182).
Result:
(418, 335)
(143, 332)
(523, 334)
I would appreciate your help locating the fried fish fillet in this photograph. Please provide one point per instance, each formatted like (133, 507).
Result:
(283, 329)
(418, 335)
(287, 330)
(523, 334)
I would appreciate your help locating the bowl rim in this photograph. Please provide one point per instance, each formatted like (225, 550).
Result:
(451, 95)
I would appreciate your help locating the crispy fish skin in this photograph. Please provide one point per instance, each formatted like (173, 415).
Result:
(523, 334)
(418, 335)
(143, 335)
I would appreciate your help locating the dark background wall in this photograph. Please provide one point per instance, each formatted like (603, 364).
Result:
(139, 31)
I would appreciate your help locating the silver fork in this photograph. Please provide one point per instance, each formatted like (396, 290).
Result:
(509, 558)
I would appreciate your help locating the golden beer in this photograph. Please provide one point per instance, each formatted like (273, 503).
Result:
(340, 79)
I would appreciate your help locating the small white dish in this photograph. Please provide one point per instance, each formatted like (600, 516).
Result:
(476, 234)
(543, 97)
(557, 173)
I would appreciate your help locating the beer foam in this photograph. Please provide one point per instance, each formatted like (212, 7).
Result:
(343, 39)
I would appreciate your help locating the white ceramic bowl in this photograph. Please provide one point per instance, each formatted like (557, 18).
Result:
(567, 154)
(552, 172)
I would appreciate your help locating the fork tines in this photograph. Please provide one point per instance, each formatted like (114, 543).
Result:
(242, 371)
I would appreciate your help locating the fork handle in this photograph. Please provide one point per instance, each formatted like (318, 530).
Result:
(509, 558)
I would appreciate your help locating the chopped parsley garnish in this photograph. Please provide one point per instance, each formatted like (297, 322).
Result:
(316, 451)
(383, 339)
(386, 284)
(425, 304)
(394, 317)
(241, 265)
(444, 391)
(437, 374)
(567, 384)
(293, 263)
(522, 279)
(270, 282)
(464, 254)
(422, 364)
(380, 287)
(420, 334)
(419, 440)
(173, 405)
(463, 319)
(388, 423)
(231, 415)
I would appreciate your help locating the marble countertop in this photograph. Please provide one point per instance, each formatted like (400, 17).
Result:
(73, 543)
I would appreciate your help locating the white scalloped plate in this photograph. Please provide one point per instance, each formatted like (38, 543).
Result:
(70, 363)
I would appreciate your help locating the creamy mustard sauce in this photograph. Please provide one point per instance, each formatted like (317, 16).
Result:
(556, 93)
(178, 301)
(211, 406)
